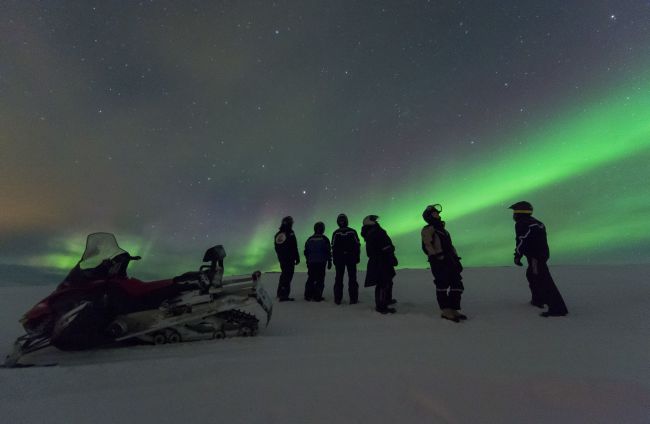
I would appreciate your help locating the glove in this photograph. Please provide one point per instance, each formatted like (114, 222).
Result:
(518, 260)
(329, 264)
(297, 261)
(437, 258)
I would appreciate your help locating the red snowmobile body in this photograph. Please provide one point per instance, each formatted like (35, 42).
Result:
(98, 304)
(105, 289)
(133, 295)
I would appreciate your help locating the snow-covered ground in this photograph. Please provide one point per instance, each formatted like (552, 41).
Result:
(322, 363)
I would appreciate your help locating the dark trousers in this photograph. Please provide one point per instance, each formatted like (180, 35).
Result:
(542, 287)
(315, 281)
(382, 293)
(449, 285)
(286, 275)
(353, 286)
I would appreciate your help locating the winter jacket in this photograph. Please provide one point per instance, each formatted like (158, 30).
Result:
(345, 245)
(381, 255)
(437, 245)
(317, 249)
(530, 238)
(286, 246)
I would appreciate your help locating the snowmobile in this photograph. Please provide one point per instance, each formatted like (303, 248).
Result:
(97, 304)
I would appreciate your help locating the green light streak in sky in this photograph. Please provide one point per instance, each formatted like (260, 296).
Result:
(70, 249)
(549, 162)
(579, 141)
(58, 261)
(256, 252)
(539, 163)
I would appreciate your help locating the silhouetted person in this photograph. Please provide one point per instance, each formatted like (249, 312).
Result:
(346, 254)
(381, 262)
(286, 248)
(445, 263)
(318, 254)
(531, 242)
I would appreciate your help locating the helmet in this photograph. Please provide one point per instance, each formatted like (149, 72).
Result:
(370, 220)
(342, 220)
(287, 221)
(319, 228)
(427, 215)
(522, 207)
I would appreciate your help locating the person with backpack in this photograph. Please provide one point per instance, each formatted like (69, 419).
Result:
(286, 247)
(445, 264)
(531, 242)
(381, 263)
(346, 254)
(317, 255)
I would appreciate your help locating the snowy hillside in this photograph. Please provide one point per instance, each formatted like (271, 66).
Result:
(322, 363)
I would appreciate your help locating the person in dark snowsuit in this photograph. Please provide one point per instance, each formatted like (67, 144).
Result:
(346, 254)
(445, 264)
(286, 247)
(531, 242)
(318, 254)
(381, 262)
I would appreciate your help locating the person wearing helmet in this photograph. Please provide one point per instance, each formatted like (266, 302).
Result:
(346, 254)
(286, 247)
(381, 263)
(445, 264)
(317, 254)
(530, 241)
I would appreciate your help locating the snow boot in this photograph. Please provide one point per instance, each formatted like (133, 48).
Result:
(553, 314)
(449, 314)
(385, 311)
(460, 316)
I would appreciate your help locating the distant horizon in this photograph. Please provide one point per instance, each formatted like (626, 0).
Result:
(24, 274)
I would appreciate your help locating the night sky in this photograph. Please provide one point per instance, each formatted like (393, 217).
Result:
(180, 125)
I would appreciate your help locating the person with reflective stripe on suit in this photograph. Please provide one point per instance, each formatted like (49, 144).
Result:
(531, 242)
(445, 264)
(381, 263)
(318, 254)
(286, 247)
(346, 254)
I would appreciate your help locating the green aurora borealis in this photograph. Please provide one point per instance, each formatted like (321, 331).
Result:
(178, 126)
(607, 140)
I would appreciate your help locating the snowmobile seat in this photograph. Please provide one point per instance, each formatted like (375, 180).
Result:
(188, 276)
(137, 288)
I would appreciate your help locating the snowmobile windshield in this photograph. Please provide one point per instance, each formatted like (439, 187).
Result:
(99, 247)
